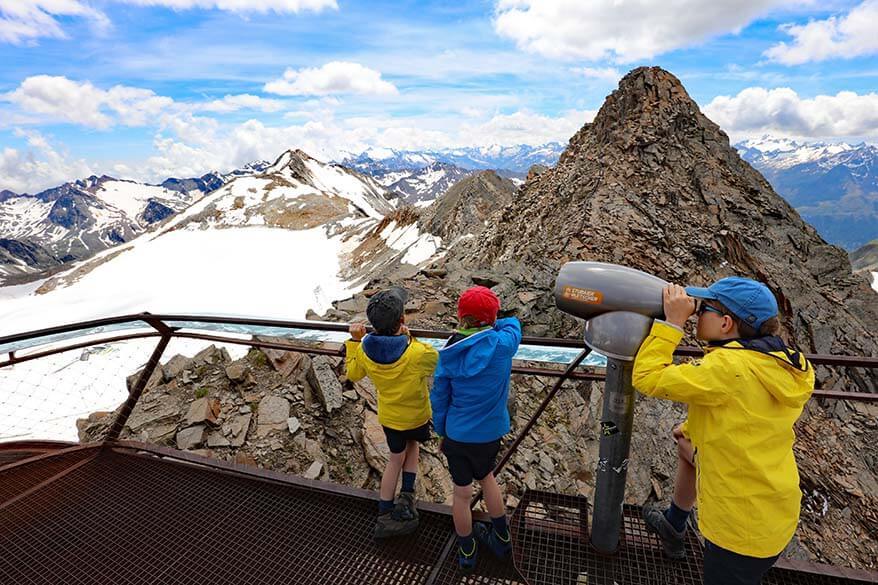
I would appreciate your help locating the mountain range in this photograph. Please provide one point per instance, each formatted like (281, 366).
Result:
(833, 185)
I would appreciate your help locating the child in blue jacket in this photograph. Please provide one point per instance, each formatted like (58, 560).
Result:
(470, 391)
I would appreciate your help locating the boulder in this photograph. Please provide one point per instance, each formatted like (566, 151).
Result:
(237, 372)
(211, 355)
(272, 415)
(286, 363)
(238, 428)
(324, 381)
(203, 410)
(191, 438)
(175, 366)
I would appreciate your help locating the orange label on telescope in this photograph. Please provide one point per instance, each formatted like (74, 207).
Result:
(583, 295)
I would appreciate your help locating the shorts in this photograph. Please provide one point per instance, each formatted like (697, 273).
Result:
(724, 567)
(468, 461)
(397, 440)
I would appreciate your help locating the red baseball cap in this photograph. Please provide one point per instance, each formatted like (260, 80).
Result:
(479, 302)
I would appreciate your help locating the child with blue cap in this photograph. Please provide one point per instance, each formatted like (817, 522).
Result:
(735, 449)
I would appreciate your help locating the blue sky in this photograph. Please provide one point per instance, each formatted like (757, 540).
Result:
(152, 88)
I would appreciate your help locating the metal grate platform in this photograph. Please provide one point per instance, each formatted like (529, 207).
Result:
(551, 542)
(121, 515)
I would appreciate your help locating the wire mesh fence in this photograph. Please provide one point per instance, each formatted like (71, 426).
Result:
(44, 398)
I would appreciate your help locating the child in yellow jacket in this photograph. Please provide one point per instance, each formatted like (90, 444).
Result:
(735, 449)
(399, 367)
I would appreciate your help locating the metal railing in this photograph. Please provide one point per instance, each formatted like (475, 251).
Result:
(42, 343)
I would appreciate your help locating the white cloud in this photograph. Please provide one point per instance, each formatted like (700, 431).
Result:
(38, 168)
(604, 73)
(243, 6)
(23, 21)
(623, 30)
(336, 77)
(60, 98)
(190, 146)
(525, 127)
(846, 37)
(781, 112)
(53, 98)
(244, 101)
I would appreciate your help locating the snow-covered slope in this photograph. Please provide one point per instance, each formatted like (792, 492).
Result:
(74, 221)
(293, 238)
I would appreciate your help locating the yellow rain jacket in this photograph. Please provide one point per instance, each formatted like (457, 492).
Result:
(403, 395)
(744, 397)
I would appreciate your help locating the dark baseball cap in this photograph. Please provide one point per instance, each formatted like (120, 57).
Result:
(386, 308)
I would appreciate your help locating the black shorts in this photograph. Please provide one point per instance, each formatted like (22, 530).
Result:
(397, 440)
(724, 567)
(469, 461)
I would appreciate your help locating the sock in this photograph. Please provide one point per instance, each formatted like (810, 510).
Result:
(385, 506)
(408, 481)
(501, 528)
(677, 517)
(467, 544)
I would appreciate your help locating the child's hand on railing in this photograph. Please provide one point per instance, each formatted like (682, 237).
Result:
(357, 331)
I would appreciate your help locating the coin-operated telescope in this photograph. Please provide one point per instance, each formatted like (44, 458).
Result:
(618, 305)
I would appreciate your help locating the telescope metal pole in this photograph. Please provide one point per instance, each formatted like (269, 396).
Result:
(615, 444)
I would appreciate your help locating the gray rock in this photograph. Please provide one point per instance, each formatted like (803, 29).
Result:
(293, 425)
(313, 472)
(324, 382)
(236, 372)
(211, 355)
(175, 366)
(272, 415)
(165, 410)
(191, 438)
(238, 429)
(216, 439)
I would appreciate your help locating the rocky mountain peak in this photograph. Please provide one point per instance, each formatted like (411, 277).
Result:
(650, 106)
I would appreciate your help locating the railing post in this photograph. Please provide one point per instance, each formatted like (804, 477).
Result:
(137, 390)
(615, 446)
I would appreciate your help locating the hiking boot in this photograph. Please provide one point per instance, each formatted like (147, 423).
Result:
(487, 536)
(405, 507)
(466, 563)
(387, 526)
(672, 540)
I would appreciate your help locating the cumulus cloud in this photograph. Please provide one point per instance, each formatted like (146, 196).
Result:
(39, 167)
(621, 30)
(782, 112)
(54, 98)
(60, 98)
(244, 101)
(843, 37)
(23, 21)
(336, 77)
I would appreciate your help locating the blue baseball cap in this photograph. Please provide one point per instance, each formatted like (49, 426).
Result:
(750, 301)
